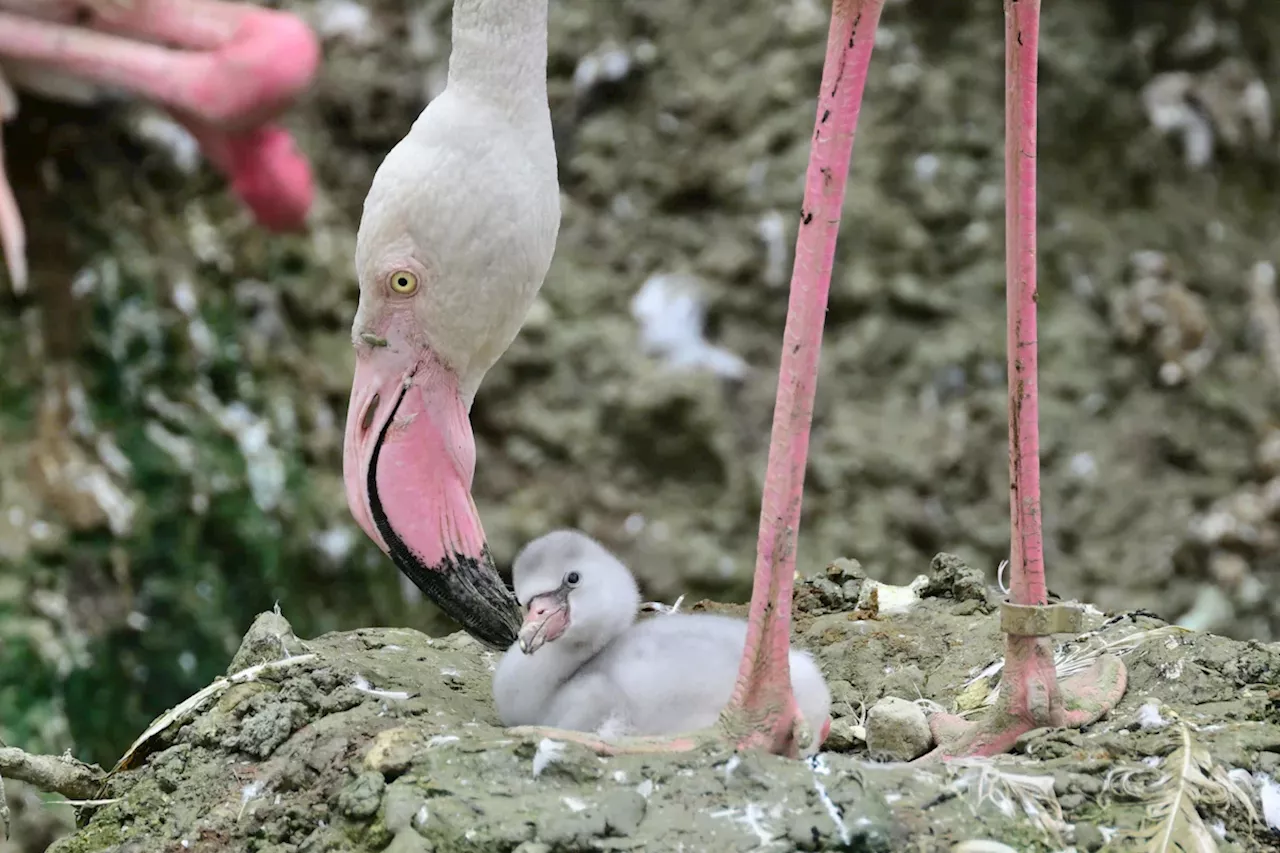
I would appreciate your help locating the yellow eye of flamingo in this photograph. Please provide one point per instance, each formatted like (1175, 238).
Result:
(404, 282)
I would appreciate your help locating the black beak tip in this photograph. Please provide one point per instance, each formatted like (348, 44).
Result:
(496, 628)
(470, 592)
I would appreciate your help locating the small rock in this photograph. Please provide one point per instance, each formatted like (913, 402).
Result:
(842, 570)
(623, 811)
(392, 751)
(1090, 785)
(809, 831)
(362, 796)
(264, 730)
(408, 841)
(400, 806)
(1048, 743)
(906, 681)
(817, 596)
(170, 766)
(845, 736)
(952, 577)
(1071, 802)
(1268, 453)
(270, 638)
(1089, 837)
(897, 730)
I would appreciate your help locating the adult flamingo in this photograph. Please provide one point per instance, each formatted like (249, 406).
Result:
(457, 234)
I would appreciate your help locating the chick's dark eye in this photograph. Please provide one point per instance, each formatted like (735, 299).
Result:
(572, 578)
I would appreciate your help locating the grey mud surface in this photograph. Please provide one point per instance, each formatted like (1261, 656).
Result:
(386, 739)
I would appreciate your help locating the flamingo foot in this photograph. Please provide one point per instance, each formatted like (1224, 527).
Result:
(767, 718)
(1031, 697)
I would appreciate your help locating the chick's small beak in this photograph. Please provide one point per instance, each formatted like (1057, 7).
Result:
(546, 619)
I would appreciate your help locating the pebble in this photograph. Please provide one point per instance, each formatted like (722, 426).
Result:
(897, 730)
(844, 736)
(623, 811)
(360, 798)
(269, 638)
(408, 841)
(1089, 837)
(392, 751)
(400, 807)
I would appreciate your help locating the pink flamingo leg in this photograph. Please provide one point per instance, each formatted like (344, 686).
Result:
(762, 713)
(13, 235)
(1030, 695)
(243, 71)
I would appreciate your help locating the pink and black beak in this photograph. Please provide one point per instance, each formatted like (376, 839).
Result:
(408, 463)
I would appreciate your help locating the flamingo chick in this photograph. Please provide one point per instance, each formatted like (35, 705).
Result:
(457, 234)
(583, 662)
(236, 68)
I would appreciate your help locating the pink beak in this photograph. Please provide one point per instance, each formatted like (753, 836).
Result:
(408, 462)
(546, 620)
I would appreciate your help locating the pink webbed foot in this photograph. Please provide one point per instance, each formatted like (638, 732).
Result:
(767, 718)
(1031, 697)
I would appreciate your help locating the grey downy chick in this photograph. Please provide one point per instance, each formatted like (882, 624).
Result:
(583, 661)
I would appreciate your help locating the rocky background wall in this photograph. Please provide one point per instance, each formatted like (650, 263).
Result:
(174, 388)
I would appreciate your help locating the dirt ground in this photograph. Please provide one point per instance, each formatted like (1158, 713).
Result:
(683, 134)
(385, 739)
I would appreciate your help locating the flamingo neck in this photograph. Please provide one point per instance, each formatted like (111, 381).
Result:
(500, 52)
